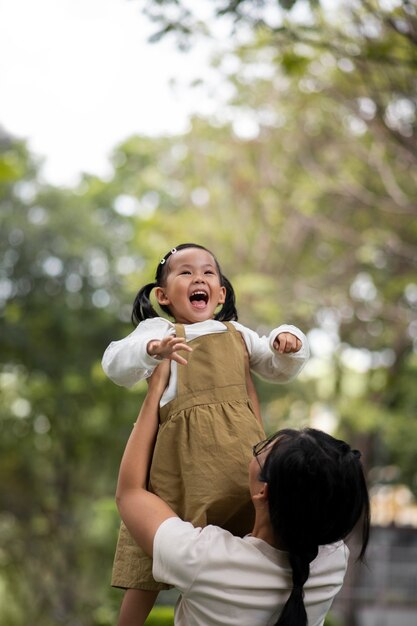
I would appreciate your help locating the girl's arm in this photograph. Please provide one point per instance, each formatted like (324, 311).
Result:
(128, 361)
(267, 361)
(143, 512)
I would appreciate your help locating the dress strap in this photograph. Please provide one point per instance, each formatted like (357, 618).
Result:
(180, 330)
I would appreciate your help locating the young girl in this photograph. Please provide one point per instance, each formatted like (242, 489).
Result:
(209, 416)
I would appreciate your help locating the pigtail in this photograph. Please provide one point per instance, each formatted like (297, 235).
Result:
(294, 612)
(142, 306)
(317, 494)
(228, 311)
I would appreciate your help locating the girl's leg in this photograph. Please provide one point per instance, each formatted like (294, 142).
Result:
(136, 606)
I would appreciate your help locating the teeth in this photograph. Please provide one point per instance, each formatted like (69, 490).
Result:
(199, 294)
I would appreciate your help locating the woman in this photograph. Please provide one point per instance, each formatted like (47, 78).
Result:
(308, 491)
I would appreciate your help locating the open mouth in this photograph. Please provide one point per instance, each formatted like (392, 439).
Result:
(199, 299)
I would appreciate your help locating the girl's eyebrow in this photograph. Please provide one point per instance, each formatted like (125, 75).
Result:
(182, 266)
(190, 266)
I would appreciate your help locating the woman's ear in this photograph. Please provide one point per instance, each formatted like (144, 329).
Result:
(161, 296)
(261, 497)
(264, 492)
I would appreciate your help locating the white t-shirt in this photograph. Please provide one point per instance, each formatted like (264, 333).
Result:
(229, 581)
(127, 361)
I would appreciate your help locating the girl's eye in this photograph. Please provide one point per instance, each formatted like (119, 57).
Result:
(209, 272)
(185, 272)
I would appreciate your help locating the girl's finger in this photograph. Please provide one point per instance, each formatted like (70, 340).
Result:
(179, 344)
(178, 358)
(282, 344)
(183, 346)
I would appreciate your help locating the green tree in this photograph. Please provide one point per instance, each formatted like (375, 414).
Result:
(63, 427)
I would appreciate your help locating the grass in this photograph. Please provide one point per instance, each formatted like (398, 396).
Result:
(161, 616)
(164, 616)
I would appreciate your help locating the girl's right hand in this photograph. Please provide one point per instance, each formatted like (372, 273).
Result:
(167, 348)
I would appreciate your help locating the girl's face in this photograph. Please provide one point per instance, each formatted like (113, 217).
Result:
(192, 290)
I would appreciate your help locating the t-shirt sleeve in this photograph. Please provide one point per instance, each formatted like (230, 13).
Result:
(178, 553)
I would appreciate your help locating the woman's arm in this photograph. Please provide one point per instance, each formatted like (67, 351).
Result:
(250, 386)
(142, 511)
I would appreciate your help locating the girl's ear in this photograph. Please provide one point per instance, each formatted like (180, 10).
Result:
(222, 296)
(161, 296)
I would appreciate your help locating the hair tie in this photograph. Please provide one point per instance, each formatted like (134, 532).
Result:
(357, 454)
(166, 257)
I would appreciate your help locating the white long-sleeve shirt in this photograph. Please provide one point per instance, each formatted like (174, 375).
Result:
(127, 361)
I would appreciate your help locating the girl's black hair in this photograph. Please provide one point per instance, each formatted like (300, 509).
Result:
(317, 494)
(142, 306)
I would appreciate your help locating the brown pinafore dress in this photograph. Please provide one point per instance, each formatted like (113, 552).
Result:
(202, 451)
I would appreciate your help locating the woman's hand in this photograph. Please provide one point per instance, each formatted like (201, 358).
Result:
(158, 382)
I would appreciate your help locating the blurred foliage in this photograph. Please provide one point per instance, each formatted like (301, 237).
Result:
(63, 427)
(186, 21)
(304, 186)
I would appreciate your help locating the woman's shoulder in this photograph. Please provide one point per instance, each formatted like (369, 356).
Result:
(333, 556)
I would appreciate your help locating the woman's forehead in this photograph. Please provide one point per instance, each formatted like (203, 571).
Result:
(275, 442)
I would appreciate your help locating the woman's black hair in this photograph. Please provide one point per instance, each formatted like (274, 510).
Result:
(142, 306)
(317, 493)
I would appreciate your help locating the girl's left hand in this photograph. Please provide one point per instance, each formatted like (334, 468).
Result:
(287, 343)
